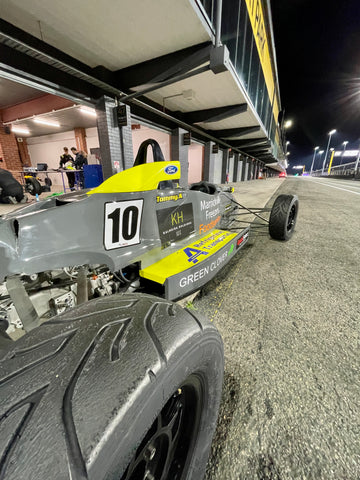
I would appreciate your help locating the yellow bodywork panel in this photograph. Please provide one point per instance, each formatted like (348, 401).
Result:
(140, 178)
(193, 254)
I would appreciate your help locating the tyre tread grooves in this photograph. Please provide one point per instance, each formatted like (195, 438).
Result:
(33, 401)
(115, 345)
(29, 366)
(149, 328)
(75, 456)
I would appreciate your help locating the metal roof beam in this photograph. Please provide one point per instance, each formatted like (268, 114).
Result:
(231, 133)
(156, 86)
(257, 151)
(215, 114)
(15, 63)
(256, 147)
(160, 69)
(252, 142)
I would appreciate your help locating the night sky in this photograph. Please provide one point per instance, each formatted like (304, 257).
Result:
(318, 57)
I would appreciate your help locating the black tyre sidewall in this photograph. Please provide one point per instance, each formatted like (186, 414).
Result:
(199, 360)
(94, 410)
(279, 217)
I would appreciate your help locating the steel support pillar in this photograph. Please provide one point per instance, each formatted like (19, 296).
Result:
(209, 162)
(225, 165)
(180, 152)
(231, 169)
(115, 142)
(236, 167)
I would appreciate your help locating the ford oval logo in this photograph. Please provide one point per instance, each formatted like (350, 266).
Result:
(171, 169)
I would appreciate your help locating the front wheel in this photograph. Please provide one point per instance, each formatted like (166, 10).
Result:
(283, 217)
(123, 387)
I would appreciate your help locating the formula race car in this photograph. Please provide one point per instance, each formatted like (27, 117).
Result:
(118, 381)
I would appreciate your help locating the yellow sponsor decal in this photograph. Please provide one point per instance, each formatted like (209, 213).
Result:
(168, 198)
(192, 254)
(256, 14)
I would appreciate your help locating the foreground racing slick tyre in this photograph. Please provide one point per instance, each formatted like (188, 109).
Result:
(125, 387)
(32, 186)
(283, 217)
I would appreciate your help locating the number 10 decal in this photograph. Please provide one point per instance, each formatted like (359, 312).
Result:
(122, 223)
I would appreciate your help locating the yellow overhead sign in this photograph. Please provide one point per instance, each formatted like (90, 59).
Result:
(256, 14)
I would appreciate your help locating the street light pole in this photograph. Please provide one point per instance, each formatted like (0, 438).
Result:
(320, 153)
(343, 153)
(312, 164)
(327, 150)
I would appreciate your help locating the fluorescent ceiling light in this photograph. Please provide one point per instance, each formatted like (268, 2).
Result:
(24, 131)
(88, 111)
(46, 122)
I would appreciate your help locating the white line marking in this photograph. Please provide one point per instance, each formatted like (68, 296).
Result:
(338, 188)
(348, 183)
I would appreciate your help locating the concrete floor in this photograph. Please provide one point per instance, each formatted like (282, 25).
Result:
(289, 317)
(6, 208)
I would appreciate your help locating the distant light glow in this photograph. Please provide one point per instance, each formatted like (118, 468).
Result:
(332, 132)
(288, 124)
(298, 167)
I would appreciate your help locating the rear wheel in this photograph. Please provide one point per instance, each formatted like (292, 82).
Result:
(124, 387)
(283, 217)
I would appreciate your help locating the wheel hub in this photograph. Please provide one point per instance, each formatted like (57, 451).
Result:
(164, 450)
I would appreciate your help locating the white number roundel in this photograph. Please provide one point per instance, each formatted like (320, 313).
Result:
(122, 223)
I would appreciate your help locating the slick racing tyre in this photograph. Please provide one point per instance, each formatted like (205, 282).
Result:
(283, 217)
(32, 186)
(123, 387)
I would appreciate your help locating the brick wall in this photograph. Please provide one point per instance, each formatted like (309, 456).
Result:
(9, 151)
(14, 154)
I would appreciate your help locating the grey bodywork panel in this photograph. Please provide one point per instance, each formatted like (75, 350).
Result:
(115, 229)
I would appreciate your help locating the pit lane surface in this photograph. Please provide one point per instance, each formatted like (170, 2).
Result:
(289, 317)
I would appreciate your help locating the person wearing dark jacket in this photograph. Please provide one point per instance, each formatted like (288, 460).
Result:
(80, 161)
(67, 163)
(11, 191)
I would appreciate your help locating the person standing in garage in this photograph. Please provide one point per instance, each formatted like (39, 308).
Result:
(67, 163)
(80, 161)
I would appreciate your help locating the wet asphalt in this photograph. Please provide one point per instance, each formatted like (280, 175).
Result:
(289, 315)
